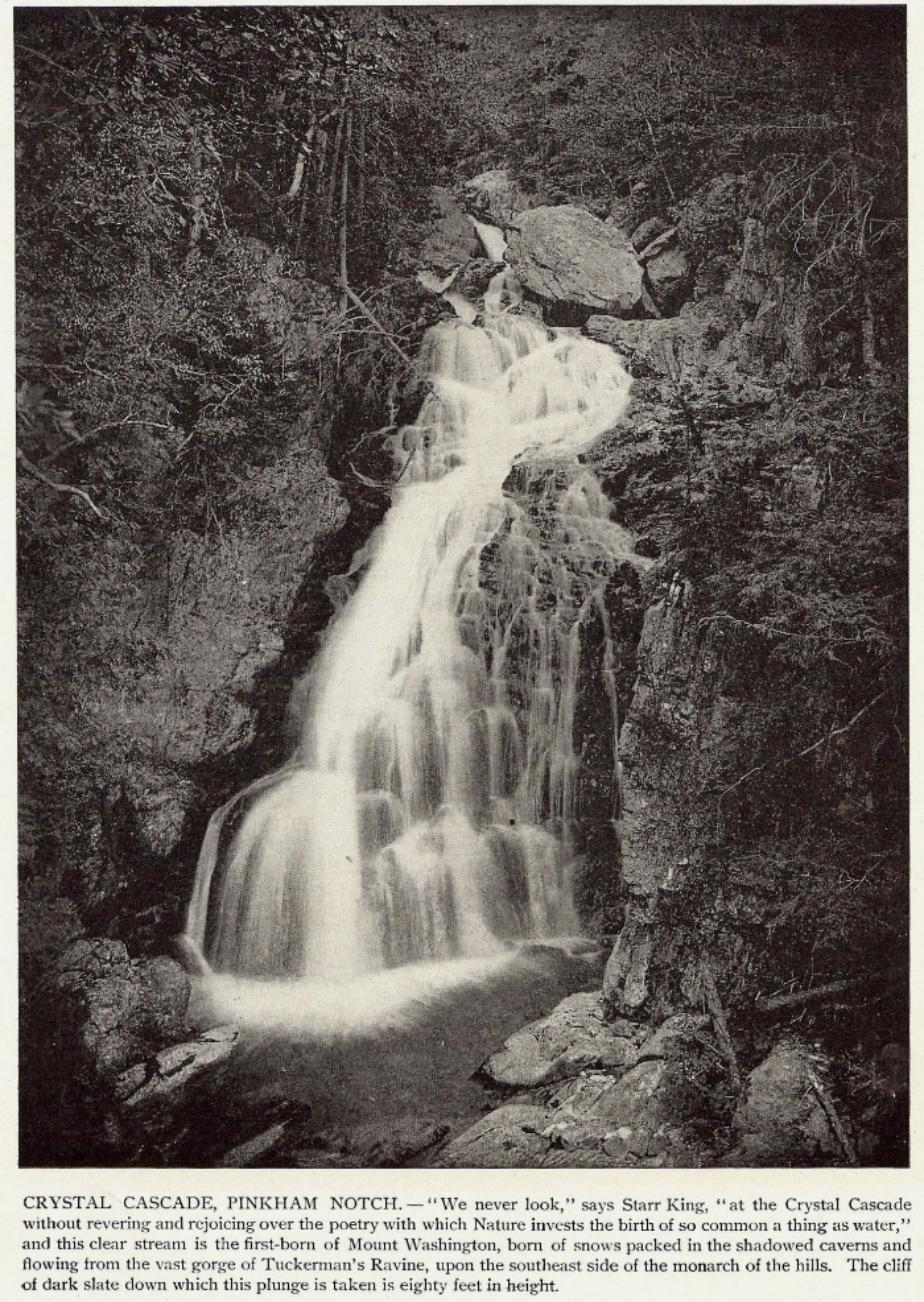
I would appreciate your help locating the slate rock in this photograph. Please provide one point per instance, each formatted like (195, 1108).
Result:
(508, 1137)
(649, 230)
(495, 196)
(574, 264)
(779, 1120)
(574, 1037)
(452, 238)
(675, 1037)
(110, 1011)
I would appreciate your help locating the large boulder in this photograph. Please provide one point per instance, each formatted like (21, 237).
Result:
(157, 1104)
(574, 264)
(669, 277)
(495, 196)
(452, 238)
(110, 1011)
(781, 1121)
(395, 1141)
(572, 1038)
(509, 1137)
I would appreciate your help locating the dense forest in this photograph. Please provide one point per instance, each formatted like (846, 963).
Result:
(220, 219)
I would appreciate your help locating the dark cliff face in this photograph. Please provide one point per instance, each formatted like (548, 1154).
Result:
(764, 746)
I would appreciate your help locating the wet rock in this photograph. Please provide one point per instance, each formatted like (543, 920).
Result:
(700, 342)
(494, 196)
(509, 1137)
(475, 276)
(647, 345)
(160, 1103)
(648, 546)
(574, 264)
(573, 1037)
(780, 1120)
(452, 237)
(161, 1083)
(110, 1011)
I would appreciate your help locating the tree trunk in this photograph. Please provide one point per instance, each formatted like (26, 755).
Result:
(867, 312)
(197, 198)
(360, 168)
(328, 210)
(344, 198)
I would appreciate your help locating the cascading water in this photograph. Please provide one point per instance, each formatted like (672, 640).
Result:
(426, 815)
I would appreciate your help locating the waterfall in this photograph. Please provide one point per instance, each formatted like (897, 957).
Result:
(427, 813)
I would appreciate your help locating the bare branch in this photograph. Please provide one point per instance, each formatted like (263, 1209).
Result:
(835, 732)
(834, 1121)
(59, 488)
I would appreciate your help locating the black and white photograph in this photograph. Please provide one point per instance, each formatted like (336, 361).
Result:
(462, 587)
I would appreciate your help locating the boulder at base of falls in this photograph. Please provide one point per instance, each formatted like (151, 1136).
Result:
(109, 1011)
(573, 1037)
(508, 1137)
(641, 1108)
(780, 1121)
(396, 1141)
(158, 1103)
(648, 1118)
(574, 264)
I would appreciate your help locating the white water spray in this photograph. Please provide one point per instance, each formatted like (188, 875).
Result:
(427, 814)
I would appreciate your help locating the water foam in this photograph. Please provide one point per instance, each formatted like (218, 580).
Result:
(425, 821)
